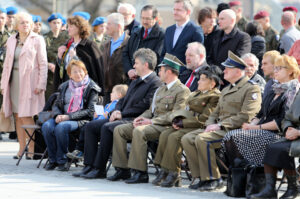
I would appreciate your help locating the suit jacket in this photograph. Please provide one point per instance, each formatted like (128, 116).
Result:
(138, 96)
(190, 33)
(238, 42)
(236, 105)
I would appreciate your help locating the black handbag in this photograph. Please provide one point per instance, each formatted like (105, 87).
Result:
(43, 117)
(255, 180)
(236, 182)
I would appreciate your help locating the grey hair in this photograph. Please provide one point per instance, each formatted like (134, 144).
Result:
(128, 6)
(146, 55)
(187, 4)
(200, 49)
(117, 18)
(251, 56)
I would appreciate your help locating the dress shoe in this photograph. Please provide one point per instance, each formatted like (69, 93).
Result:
(51, 166)
(195, 186)
(12, 135)
(121, 174)
(138, 177)
(94, 173)
(16, 157)
(160, 177)
(85, 170)
(172, 179)
(63, 167)
(212, 185)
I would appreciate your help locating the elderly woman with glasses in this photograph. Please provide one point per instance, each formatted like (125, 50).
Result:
(250, 142)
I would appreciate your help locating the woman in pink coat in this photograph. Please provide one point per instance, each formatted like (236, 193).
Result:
(24, 77)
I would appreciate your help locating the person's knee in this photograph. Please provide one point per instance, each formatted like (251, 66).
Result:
(61, 129)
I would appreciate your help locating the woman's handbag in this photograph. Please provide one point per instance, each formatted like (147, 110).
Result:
(43, 117)
(236, 182)
(255, 180)
(7, 124)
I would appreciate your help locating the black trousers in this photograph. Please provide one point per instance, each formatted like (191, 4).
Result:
(94, 155)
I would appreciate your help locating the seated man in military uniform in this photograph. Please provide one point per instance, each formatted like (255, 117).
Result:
(239, 102)
(149, 125)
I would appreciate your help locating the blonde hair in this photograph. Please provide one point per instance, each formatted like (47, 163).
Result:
(77, 63)
(121, 89)
(272, 54)
(289, 62)
(20, 16)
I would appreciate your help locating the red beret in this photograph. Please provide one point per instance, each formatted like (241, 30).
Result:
(235, 3)
(290, 8)
(261, 14)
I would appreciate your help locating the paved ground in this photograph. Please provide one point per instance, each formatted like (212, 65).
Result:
(27, 181)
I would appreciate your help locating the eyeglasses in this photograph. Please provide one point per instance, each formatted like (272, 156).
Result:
(278, 68)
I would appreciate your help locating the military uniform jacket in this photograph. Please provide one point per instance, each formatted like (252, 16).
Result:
(241, 24)
(237, 105)
(199, 106)
(272, 39)
(166, 101)
(3, 38)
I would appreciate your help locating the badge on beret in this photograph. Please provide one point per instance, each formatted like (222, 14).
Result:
(203, 103)
(254, 96)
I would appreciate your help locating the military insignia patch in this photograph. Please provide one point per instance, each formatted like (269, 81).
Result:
(254, 96)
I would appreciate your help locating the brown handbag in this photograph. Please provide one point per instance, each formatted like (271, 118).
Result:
(7, 124)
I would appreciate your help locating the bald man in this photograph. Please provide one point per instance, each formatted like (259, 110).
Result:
(291, 34)
(229, 37)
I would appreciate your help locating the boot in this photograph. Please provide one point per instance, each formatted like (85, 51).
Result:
(292, 189)
(269, 190)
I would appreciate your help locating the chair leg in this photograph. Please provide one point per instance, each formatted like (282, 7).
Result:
(42, 158)
(27, 144)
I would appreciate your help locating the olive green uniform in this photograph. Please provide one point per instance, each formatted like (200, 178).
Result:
(99, 43)
(199, 105)
(164, 103)
(272, 39)
(237, 105)
(3, 38)
(241, 24)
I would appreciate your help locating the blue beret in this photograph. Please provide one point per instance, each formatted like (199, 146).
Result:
(55, 16)
(11, 10)
(36, 18)
(84, 15)
(98, 21)
(3, 10)
(64, 20)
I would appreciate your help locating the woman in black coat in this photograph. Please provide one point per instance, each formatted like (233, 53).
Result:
(79, 47)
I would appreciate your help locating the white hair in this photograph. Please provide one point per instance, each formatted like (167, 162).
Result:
(117, 18)
(251, 56)
(128, 6)
(23, 15)
(199, 48)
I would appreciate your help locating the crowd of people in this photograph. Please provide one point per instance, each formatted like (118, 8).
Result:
(222, 83)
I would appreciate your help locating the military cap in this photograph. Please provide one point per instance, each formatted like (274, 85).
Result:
(261, 14)
(11, 10)
(98, 21)
(54, 16)
(233, 61)
(290, 8)
(64, 20)
(234, 3)
(171, 61)
(84, 15)
(3, 10)
(36, 18)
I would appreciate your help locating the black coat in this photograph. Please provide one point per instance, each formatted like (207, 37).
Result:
(258, 46)
(90, 98)
(138, 97)
(237, 41)
(89, 53)
(154, 41)
(132, 27)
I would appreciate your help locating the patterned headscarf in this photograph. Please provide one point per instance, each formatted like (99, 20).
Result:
(290, 90)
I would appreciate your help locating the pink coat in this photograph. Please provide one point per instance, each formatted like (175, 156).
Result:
(33, 68)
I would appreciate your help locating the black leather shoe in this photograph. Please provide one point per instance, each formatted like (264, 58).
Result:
(160, 177)
(212, 185)
(138, 177)
(63, 167)
(196, 185)
(121, 174)
(51, 166)
(172, 179)
(85, 170)
(94, 173)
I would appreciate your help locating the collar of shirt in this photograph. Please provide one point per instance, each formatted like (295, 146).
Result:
(171, 84)
(235, 83)
(145, 76)
(115, 44)
(182, 26)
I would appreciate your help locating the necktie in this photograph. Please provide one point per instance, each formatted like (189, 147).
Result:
(188, 84)
(145, 33)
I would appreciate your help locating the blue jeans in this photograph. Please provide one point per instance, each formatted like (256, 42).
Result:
(57, 139)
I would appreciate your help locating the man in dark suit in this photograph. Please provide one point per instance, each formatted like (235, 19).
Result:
(229, 37)
(135, 102)
(150, 35)
(195, 57)
(183, 32)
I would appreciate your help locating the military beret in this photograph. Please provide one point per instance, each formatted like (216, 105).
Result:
(84, 15)
(54, 16)
(261, 14)
(36, 18)
(98, 21)
(64, 20)
(3, 10)
(234, 3)
(290, 8)
(11, 10)
(171, 61)
(233, 61)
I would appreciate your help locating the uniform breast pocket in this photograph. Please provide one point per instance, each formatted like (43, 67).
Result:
(167, 104)
(234, 104)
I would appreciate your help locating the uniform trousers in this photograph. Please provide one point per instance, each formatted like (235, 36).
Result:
(199, 147)
(169, 150)
(138, 153)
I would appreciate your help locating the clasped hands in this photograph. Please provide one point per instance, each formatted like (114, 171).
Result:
(61, 118)
(140, 121)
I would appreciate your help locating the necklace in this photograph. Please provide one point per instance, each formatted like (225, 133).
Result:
(20, 43)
